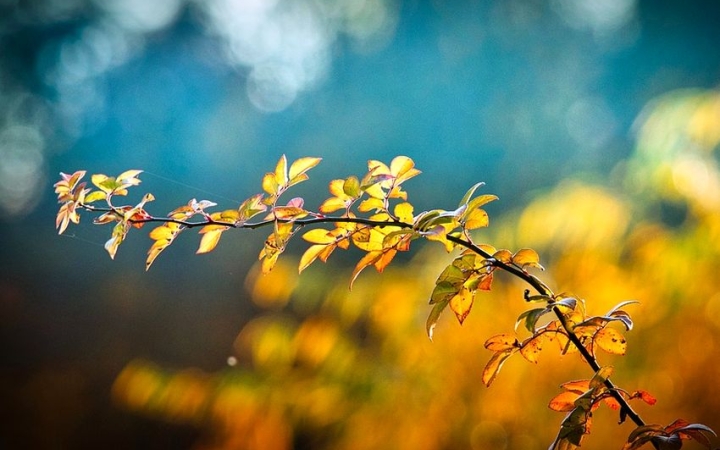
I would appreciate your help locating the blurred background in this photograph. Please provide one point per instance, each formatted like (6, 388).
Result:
(597, 124)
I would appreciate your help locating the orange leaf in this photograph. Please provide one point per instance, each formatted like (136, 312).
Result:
(564, 401)
(501, 342)
(369, 259)
(611, 341)
(493, 366)
(532, 347)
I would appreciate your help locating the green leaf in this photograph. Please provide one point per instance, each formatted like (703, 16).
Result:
(443, 292)
(531, 318)
(434, 316)
(351, 187)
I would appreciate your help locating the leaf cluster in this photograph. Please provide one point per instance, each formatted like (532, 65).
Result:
(372, 214)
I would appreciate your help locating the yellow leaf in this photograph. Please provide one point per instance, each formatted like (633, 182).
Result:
(300, 166)
(461, 304)
(332, 204)
(95, 196)
(310, 255)
(477, 218)
(270, 184)
(210, 238)
(404, 212)
(281, 171)
(527, 257)
(288, 212)
(319, 236)
(611, 340)
(503, 256)
(129, 177)
(501, 342)
(371, 204)
(493, 366)
(369, 259)
(403, 169)
(163, 237)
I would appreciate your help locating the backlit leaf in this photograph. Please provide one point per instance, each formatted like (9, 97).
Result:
(163, 236)
(462, 303)
(281, 172)
(118, 236)
(250, 208)
(310, 255)
(478, 218)
(210, 238)
(332, 204)
(299, 167)
(503, 256)
(527, 257)
(531, 317)
(319, 236)
(443, 292)
(468, 195)
(493, 366)
(433, 317)
(270, 184)
(369, 259)
(564, 401)
(611, 341)
(532, 347)
(95, 196)
(501, 342)
(404, 212)
(351, 187)
(600, 377)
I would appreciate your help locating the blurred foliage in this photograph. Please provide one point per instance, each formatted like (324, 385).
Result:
(324, 367)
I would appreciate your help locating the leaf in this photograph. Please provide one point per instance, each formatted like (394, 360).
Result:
(118, 236)
(351, 187)
(403, 168)
(611, 341)
(271, 186)
(310, 255)
(163, 236)
(531, 348)
(403, 211)
(600, 377)
(644, 396)
(564, 401)
(281, 172)
(468, 195)
(369, 259)
(462, 303)
(434, 316)
(95, 196)
(477, 218)
(250, 208)
(299, 167)
(211, 237)
(443, 292)
(493, 366)
(527, 257)
(501, 342)
(319, 236)
(531, 317)
(503, 256)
